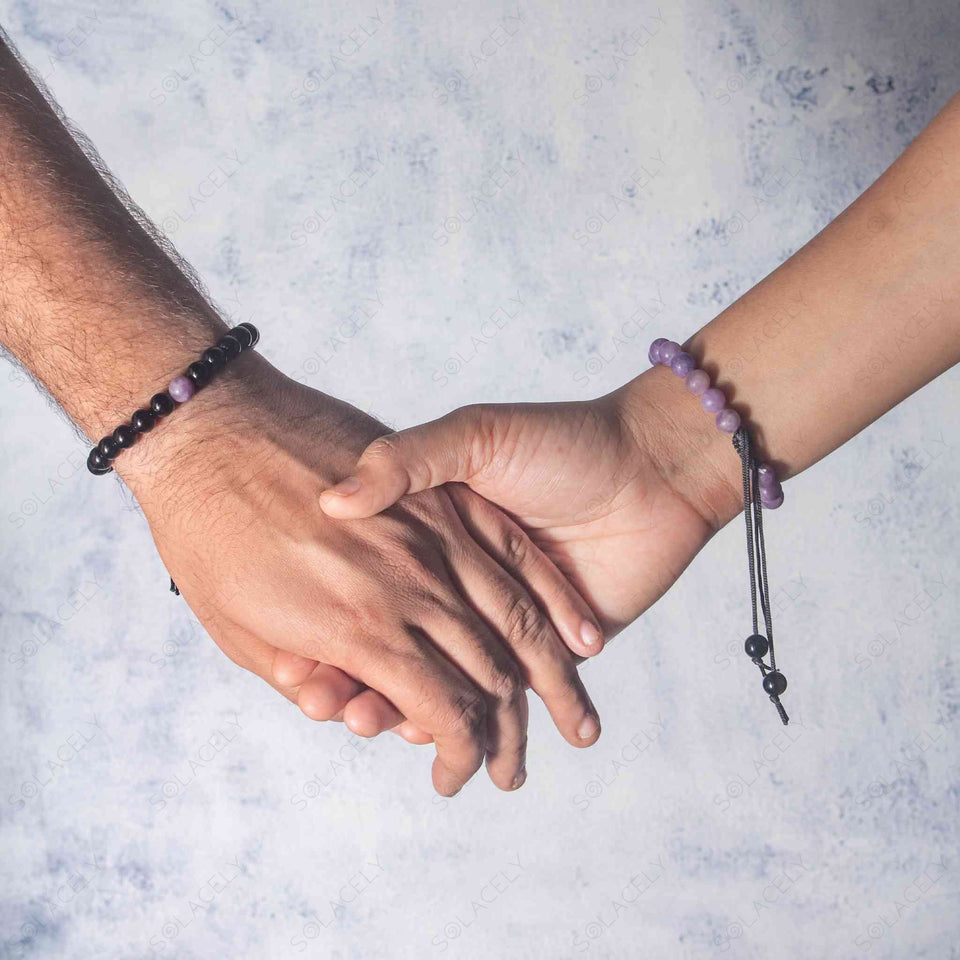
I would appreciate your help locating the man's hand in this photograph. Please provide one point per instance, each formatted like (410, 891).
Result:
(437, 603)
(419, 601)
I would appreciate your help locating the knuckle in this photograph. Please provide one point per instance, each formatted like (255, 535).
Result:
(386, 447)
(515, 547)
(468, 716)
(506, 684)
(525, 624)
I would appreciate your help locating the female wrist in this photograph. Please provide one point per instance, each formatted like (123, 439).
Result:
(697, 461)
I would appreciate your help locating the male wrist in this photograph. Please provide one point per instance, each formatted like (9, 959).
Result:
(173, 450)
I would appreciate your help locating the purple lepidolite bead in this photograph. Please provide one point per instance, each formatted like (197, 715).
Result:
(181, 389)
(682, 364)
(668, 351)
(767, 474)
(713, 400)
(697, 381)
(770, 503)
(728, 420)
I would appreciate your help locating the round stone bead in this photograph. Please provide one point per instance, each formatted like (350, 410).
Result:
(161, 405)
(770, 488)
(181, 389)
(143, 420)
(199, 374)
(767, 474)
(108, 448)
(713, 400)
(697, 381)
(682, 364)
(771, 503)
(254, 332)
(668, 351)
(243, 335)
(728, 420)
(214, 358)
(125, 436)
(775, 683)
(230, 345)
(97, 463)
(768, 481)
(654, 352)
(756, 646)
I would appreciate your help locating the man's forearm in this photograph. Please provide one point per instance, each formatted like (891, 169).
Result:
(854, 322)
(90, 302)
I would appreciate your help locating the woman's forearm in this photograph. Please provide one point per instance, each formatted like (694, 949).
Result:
(854, 322)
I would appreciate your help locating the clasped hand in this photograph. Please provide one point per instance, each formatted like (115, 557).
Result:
(314, 548)
(602, 489)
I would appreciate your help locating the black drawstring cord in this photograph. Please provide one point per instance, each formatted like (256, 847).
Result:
(174, 588)
(757, 645)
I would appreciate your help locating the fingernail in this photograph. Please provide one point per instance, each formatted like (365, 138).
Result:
(588, 727)
(589, 634)
(345, 488)
(520, 779)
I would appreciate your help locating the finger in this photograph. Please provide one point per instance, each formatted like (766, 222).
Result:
(505, 541)
(412, 733)
(290, 669)
(430, 690)
(325, 694)
(467, 639)
(546, 664)
(423, 683)
(370, 713)
(407, 462)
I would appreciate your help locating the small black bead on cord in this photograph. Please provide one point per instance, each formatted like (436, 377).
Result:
(757, 645)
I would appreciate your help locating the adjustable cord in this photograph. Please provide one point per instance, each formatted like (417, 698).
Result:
(757, 645)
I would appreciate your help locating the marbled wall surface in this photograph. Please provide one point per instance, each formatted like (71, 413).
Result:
(317, 164)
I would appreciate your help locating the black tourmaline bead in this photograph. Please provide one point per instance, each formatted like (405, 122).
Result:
(97, 463)
(125, 435)
(775, 683)
(254, 332)
(230, 345)
(199, 373)
(143, 420)
(108, 448)
(214, 358)
(161, 404)
(243, 335)
(756, 646)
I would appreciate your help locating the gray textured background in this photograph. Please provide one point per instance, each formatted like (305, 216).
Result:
(317, 163)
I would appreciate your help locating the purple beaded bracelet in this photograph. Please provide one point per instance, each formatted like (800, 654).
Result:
(761, 489)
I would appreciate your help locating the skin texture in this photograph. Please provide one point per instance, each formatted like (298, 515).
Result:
(442, 602)
(623, 491)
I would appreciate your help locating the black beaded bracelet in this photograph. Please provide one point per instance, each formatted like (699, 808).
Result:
(243, 337)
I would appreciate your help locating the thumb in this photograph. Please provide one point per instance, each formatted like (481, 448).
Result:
(409, 461)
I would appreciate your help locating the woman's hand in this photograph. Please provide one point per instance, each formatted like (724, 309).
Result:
(438, 602)
(620, 492)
